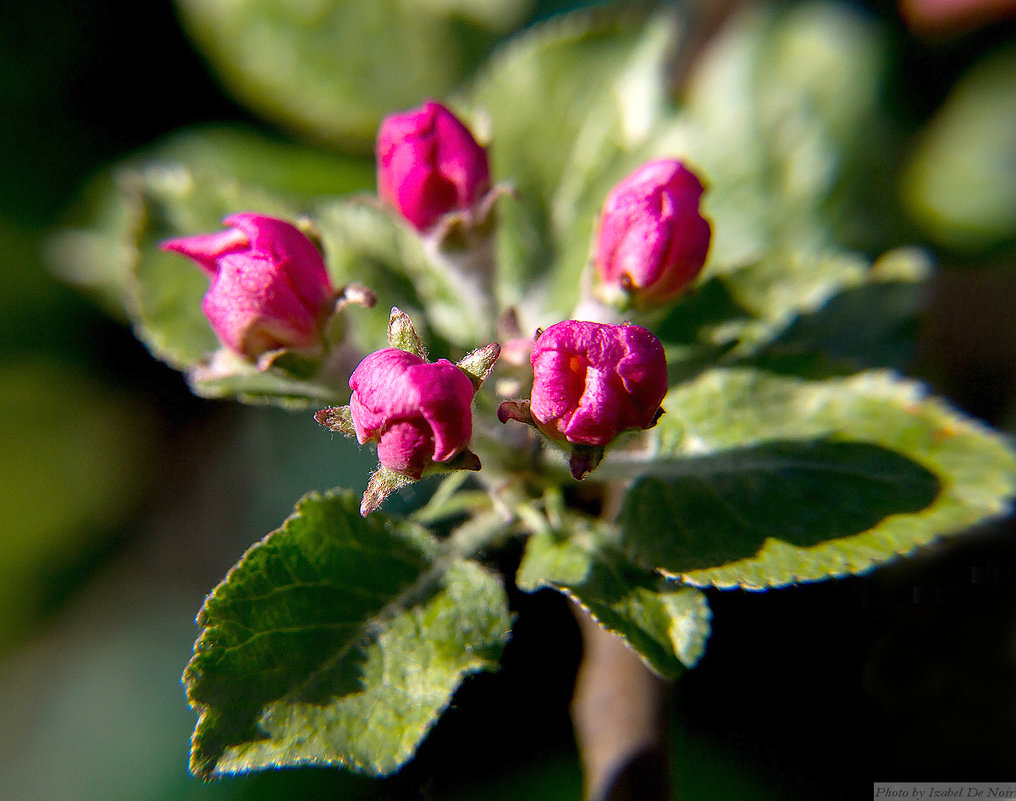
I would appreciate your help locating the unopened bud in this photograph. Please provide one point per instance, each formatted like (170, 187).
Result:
(429, 164)
(652, 241)
(269, 290)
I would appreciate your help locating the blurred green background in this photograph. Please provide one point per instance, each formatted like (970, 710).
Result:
(124, 499)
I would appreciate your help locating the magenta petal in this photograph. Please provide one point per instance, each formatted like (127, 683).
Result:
(643, 375)
(205, 249)
(445, 405)
(560, 386)
(594, 420)
(406, 448)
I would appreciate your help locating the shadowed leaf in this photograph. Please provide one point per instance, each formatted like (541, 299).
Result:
(665, 623)
(763, 480)
(337, 640)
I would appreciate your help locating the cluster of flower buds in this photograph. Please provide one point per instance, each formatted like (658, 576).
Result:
(270, 292)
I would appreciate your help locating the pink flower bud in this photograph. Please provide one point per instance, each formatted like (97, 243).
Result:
(418, 412)
(592, 381)
(269, 289)
(652, 241)
(429, 164)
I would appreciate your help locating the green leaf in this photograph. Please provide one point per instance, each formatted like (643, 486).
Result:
(599, 80)
(959, 182)
(778, 148)
(785, 148)
(665, 623)
(337, 640)
(224, 374)
(777, 112)
(866, 320)
(762, 480)
(278, 165)
(369, 243)
(870, 324)
(186, 186)
(332, 68)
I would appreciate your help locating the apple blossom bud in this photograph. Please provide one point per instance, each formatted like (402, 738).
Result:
(270, 289)
(417, 412)
(652, 241)
(591, 381)
(429, 164)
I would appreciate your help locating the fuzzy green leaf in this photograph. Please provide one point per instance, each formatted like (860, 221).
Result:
(665, 623)
(186, 186)
(370, 243)
(959, 183)
(780, 113)
(337, 640)
(788, 160)
(600, 77)
(762, 480)
(845, 322)
(333, 68)
(779, 150)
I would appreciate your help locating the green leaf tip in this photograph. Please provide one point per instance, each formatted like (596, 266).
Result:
(337, 640)
(383, 482)
(336, 418)
(477, 364)
(402, 334)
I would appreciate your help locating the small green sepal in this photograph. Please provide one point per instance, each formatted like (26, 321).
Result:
(336, 418)
(402, 334)
(478, 363)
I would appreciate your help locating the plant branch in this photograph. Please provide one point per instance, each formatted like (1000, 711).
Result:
(618, 709)
(619, 714)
